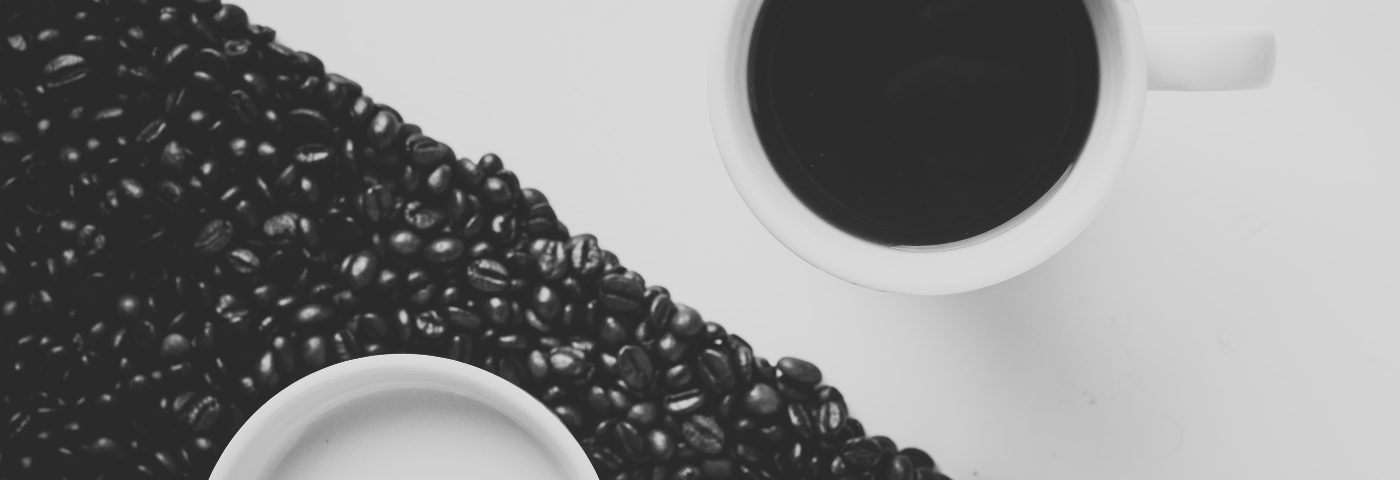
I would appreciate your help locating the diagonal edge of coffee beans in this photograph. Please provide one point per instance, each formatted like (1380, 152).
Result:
(193, 216)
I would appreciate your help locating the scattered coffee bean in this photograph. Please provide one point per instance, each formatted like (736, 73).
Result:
(635, 367)
(242, 218)
(762, 400)
(703, 433)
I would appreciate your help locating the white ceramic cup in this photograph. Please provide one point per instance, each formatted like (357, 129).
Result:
(1131, 62)
(264, 441)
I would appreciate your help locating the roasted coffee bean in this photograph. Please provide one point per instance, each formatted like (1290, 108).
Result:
(175, 161)
(604, 458)
(175, 347)
(621, 293)
(214, 237)
(918, 457)
(828, 392)
(635, 367)
(764, 371)
(692, 472)
(743, 427)
(551, 260)
(444, 250)
(743, 360)
(405, 242)
(857, 430)
(343, 347)
(378, 204)
(686, 322)
(65, 72)
(799, 419)
(312, 315)
(703, 433)
(678, 377)
(799, 371)
(619, 400)
(762, 400)
(512, 342)
(612, 331)
(567, 361)
(659, 444)
(584, 255)
(720, 468)
(358, 270)
(885, 444)
(497, 191)
(383, 129)
(428, 152)
(197, 412)
(716, 370)
(281, 229)
(537, 365)
(682, 403)
(488, 275)
(512, 371)
(570, 416)
(899, 468)
(458, 348)
(105, 449)
(831, 417)
(793, 391)
(313, 353)
(629, 440)
(643, 414)
(863, 454)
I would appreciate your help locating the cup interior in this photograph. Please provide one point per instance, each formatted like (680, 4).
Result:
(262, 445)
(991, 257)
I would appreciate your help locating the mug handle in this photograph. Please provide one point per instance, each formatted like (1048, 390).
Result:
(1212, 58)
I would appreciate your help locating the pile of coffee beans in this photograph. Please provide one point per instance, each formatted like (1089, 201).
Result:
(193, 216)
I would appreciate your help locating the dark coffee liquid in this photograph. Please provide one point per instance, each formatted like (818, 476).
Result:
(922, 122)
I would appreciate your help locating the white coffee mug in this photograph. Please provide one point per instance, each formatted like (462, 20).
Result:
(1165, 58)
(303, 413)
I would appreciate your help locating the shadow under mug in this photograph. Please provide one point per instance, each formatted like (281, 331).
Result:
(1131, 60)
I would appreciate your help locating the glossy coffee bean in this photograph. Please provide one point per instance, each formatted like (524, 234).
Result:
(177, 161)
(636, 368)
(799, 371)
(444, 250)
(214, 237)
(762, 400)
(312, 315)
(799, 419)
(678, 377)
(831, 417)
(703, 433)
(863, 454)
(898, 468)
(919, 458)
(621, 293)
(716, 370)
(686, 402)
(567, 362)
(585, 257)
(488, 275)
(197, 412)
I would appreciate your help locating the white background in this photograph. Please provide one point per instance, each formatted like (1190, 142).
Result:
(1231, 314)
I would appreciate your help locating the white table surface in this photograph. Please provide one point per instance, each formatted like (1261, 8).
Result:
(1232, 313)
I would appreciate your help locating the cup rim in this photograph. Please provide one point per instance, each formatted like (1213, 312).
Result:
(264, 440)
(984, 260)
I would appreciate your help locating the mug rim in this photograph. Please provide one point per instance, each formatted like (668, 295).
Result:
(981, 261)
(263, 441)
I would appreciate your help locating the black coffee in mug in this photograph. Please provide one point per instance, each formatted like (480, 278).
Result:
(922, 122)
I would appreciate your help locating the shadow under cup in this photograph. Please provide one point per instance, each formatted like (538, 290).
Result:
(922, 123)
